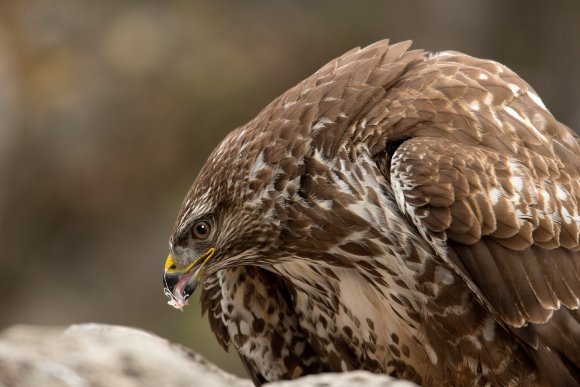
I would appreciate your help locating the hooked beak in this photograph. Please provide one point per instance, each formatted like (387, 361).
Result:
(181, 283)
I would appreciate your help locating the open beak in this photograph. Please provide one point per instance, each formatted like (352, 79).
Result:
(181, 283)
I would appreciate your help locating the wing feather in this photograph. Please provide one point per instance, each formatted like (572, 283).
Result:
(492, 181)
(496, 218)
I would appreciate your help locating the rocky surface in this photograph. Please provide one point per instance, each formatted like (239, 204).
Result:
(104, 355)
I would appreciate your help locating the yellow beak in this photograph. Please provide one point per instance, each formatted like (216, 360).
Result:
(181, 283)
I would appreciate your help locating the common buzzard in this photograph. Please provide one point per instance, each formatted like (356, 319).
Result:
(399, 211)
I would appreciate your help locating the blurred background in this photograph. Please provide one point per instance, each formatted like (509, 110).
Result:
(109, 108)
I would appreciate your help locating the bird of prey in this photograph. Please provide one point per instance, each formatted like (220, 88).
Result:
(399, 211)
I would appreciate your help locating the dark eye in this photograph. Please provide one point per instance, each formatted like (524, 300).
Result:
(201, 230)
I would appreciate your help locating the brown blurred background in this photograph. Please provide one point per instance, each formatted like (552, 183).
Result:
(109, 108)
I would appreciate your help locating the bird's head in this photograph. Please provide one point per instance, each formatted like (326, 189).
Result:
(225, 220)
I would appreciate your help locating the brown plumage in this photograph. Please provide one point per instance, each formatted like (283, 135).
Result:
(398, 211)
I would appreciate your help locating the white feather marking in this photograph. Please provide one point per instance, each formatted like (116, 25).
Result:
(257, 166)
(514, 88)
(475, 342)
(488, 100)
(560, 193)
(517, 182)
(431, 353)
(443, 275)
(399, 195)
(514, 114)
(566, 215)
(489, 329)
(474, 105)
(318, 125)
(321, 123)
(545, 196)
(483, 76)
(325, 204)
(244, 328)
(536, 98)
(494, 195)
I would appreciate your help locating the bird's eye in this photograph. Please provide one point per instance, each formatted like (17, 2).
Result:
(201, 230)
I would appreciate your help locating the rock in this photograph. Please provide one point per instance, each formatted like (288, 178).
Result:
(346, 379)
(89, 355)
(102, 355)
